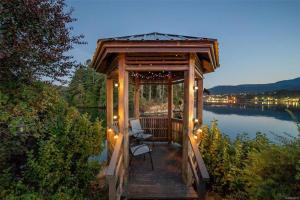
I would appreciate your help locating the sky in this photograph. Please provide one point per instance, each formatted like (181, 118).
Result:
(259, 41)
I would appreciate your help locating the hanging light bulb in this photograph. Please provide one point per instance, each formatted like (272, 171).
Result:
(199, 131)
(116, 85)
(196, 120)
(195, 87)
(115, 117)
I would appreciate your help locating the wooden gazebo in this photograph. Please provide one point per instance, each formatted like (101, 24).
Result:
(156, 58)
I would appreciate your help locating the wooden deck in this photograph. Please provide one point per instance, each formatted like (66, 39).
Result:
(165, 181)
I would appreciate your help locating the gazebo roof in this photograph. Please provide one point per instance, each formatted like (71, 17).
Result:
(206, 49)
(156, 36)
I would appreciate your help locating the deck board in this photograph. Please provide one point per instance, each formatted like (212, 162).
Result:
(165, 181)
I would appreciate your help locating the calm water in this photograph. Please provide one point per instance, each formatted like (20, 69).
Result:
(233, 120)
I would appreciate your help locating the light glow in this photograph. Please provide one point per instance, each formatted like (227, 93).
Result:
(199, 130)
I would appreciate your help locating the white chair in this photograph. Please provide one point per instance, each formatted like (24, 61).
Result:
(141, 149)
(136, 149)
(137, 131)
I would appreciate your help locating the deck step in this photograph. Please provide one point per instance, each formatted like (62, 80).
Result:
(161, 192)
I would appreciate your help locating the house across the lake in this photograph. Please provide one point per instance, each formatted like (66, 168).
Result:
(175, 168)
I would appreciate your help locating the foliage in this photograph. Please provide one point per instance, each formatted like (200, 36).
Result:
(34, 39)
(251, 168)
(224, 160)
(86, 88)
(271, 171)
(87, 92)
(45, 145)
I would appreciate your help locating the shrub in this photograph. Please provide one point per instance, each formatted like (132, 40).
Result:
(224, 160)
(251, 168)
(46, 145)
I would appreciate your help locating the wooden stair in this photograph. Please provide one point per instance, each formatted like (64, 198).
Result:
(161, 192)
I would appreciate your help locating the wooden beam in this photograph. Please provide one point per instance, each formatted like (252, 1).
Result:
(175, 49)
(170, 108)
(123, 111)
(178, 81)
(137, 99)
(157, 68)
(157, 62)
(189, 77)
(109, 114)
(200, 101)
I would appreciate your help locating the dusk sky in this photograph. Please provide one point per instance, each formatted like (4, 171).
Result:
(259, 41)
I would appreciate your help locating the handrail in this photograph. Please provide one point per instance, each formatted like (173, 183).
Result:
(176, 119)
(113, 161)
(115, 171)
(198, 167)
(199, 159)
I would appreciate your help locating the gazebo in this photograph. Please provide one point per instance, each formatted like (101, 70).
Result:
(156, 58)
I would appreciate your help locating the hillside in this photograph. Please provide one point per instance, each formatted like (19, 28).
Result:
(293, 84)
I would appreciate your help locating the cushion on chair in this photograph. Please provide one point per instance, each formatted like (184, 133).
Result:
(144, 136)
(135, 126)
(140, 149)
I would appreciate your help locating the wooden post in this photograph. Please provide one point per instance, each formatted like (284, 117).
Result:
(200, 100)
(123, 112)
(189, 77)
(137, 99)
(170, 111)
(109, 114)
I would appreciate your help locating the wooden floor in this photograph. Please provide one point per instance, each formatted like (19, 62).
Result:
(164, 182)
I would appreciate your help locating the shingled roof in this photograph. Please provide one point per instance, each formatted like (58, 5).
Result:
(156, 36)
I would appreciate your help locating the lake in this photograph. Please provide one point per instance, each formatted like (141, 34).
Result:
(236, 119)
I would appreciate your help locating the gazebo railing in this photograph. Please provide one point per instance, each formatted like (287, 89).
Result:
(115, 171)
(157, 126)
(199, 170)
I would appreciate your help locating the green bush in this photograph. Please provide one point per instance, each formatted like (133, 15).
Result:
(271, 171)
(225, 161)
(251, 168)
(45, 145)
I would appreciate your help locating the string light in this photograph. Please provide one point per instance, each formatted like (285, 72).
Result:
(196, 120)
(116, 136)
(152, 75)
(115, 117)
(116, 84)
(195, 87)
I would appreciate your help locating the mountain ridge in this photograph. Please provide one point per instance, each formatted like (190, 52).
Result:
(291, 84)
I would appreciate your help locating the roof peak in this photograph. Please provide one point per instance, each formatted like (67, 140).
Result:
(156, 36)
